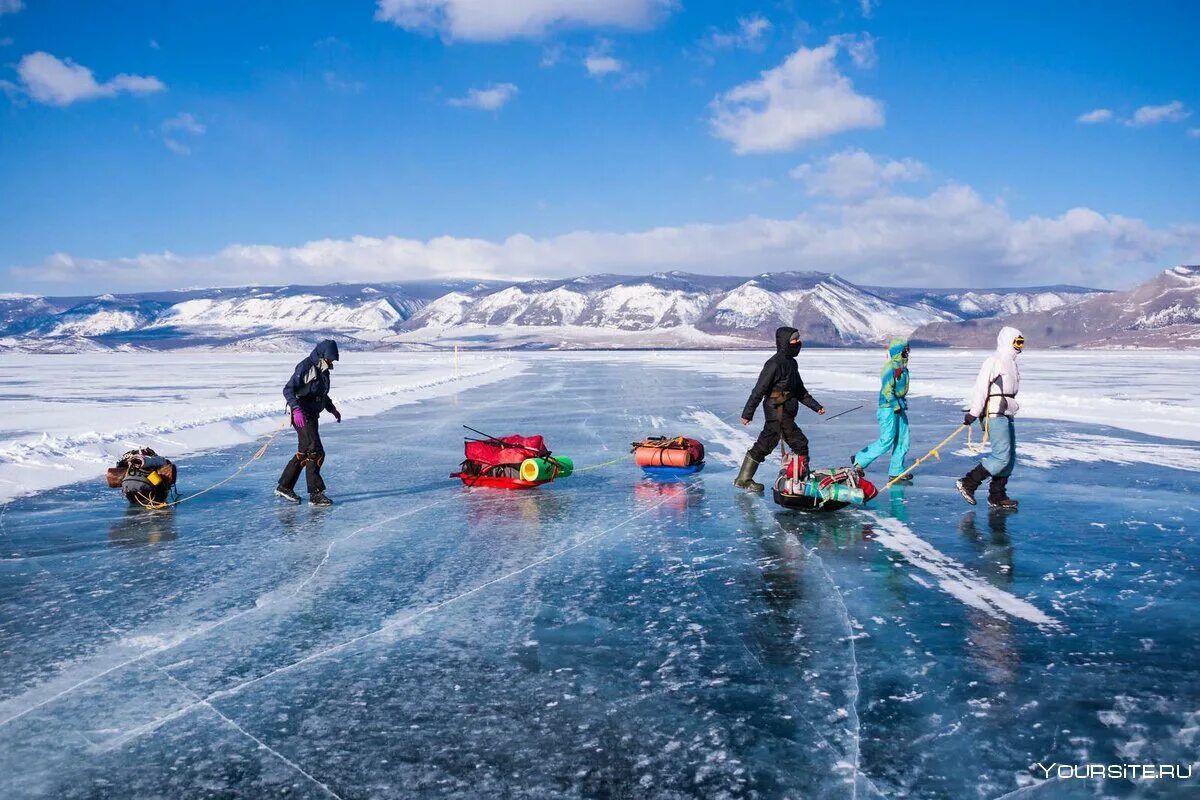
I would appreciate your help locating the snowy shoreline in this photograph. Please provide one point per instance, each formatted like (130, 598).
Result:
(67, 418)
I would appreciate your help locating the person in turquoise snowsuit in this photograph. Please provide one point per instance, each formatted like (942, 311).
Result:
(892, 413)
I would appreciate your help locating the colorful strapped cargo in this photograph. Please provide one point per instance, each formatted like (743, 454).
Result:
(145, 477)
(820, 490)
(661, 456)
(511, 462)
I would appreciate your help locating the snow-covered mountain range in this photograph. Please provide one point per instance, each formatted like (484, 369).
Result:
(671, 309)
(1162, 312)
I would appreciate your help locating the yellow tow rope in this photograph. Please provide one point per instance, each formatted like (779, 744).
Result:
(151, 503)
(598, 466)
(934, 453)
(978, 449)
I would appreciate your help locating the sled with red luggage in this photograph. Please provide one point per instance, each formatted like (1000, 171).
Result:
(820, 491)
(510, 462)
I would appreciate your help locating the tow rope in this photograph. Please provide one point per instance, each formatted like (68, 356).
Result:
(979, 449)
(153, 504)
(934, 453)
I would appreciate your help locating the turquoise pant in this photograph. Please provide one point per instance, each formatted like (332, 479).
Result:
(893, 435)
(1003, 436)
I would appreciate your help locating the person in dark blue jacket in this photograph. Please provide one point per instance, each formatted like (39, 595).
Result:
(307, 395)
(781, 391)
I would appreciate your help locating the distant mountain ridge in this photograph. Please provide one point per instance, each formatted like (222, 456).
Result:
(1162, 312)
(666, 309)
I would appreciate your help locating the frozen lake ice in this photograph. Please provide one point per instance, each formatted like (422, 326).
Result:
(608, 636)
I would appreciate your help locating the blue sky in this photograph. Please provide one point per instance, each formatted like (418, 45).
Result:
(155, 146)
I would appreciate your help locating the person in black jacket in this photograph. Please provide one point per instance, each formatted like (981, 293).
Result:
(307, 395)
(781, 391)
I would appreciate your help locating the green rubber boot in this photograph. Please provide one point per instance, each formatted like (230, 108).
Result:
(745, 478)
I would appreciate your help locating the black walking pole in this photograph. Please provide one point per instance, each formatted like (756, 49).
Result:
(847, 411)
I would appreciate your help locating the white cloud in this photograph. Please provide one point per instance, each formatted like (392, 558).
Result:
(749, 33)
(551, 55)
(1095, 116)
(185, 122)
(492, 98)
(496, 20)
(867, 7)
(182, 123)
(600, 64)
(62, 82)
(861, 49)
(177, 147)
(1153, 115)
(950, 237)
(803, 99)
(10, 6)
(855, 173)
(1194, 133)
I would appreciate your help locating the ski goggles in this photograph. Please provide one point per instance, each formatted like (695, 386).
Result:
(1019, 343)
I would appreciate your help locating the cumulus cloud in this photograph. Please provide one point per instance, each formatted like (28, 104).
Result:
(856, 173)
(61, 82)
(748, 34)
(952, 236)
(1153, 115)
(1095, 116)
(496, 20)
(10, 6)
(492, 98)
(803, 99)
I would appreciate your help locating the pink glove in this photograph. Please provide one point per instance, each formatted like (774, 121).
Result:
(336, 414)
(297, 418)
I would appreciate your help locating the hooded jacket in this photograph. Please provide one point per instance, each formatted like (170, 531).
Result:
(780, 374)
(308, 388)
(999, 379)
(893, 389)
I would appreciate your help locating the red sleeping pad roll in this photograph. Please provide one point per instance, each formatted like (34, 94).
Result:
(678, 452)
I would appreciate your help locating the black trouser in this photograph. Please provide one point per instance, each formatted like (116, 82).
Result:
(309, 456)
(781, 421)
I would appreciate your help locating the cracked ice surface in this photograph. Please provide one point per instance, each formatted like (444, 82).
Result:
(602, 636)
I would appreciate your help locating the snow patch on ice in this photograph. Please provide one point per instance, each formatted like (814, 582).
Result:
(733, 440)
(953, 577)
(1084, 447)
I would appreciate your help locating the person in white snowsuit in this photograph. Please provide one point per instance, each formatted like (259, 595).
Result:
(994, 400)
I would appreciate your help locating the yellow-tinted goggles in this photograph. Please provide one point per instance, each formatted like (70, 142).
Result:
(1019, 343)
